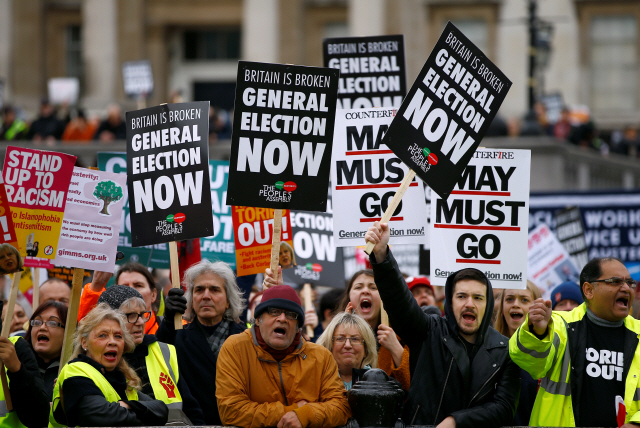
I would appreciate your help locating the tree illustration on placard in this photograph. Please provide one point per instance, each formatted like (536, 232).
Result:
(108, 192)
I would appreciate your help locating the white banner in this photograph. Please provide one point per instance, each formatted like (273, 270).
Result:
(549, 263)
(365, 175)
(484, 222)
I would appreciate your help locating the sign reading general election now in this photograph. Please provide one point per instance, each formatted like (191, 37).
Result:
(168, 173)
(447, 111)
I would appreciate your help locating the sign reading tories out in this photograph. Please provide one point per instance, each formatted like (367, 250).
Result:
(365, 177)
(36, 183)
(89, 233)
(484, 223)
(372, 71)
(168, 173)
(282, 136)
(447, 111)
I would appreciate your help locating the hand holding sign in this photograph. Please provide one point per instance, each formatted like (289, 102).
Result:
(270, 279)
(539, 315)
(377, 237)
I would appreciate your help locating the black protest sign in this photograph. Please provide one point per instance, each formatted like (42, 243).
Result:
(318, 260)
(570, 232)
(447, 111)
(282, 136)
(168, 173)
(372, 70)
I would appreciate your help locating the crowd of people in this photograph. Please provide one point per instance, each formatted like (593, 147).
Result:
(469, 360)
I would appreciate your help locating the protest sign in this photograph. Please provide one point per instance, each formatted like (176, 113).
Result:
(220, 246)
(7, 231)
(372, 70)
(253, 231)
(570, 233)
(549, 263)
(365, 177)
(63, 90)
(137, 78)
(89, 233)
(36, 183)
(447, 111)
(153, 256)
(611, 221)
(168, 173)
(318, 260)
(282, 136)
(484, 223)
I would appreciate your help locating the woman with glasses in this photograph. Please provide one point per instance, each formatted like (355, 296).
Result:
(45, 335)
(156, 363)
(351, 341)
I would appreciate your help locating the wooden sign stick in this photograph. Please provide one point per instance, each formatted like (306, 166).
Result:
(72, 317)
(6, 329)
(308, 304)
(394, 204)
(384, 317)
(175, 279)
(275, 242)
(35, 275)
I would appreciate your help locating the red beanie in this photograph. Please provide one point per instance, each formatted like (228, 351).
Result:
(281, 297)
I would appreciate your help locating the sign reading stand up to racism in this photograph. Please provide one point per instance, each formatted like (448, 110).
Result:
(447, 111)
(372, 71)
(282, 136)
(168, 173)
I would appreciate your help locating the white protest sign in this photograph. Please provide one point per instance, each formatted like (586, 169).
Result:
(484, 222)
(549, 262)
(64, 90)
(91, 222)
(137, 77)
(365, 175)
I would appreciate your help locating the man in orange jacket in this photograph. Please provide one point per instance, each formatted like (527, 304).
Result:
(270, 376)
(132, 275)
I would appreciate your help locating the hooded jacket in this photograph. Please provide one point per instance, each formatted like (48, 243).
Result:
(254, 390)
(478, 392)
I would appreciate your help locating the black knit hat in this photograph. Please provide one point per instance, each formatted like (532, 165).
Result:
(115, 295)
(281, 297)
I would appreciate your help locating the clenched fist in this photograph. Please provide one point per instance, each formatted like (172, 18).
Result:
(539, 315)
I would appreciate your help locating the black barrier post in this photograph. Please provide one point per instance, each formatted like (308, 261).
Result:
(376, 401)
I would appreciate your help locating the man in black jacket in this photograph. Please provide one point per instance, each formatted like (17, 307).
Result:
(213, 306)
(461, 372)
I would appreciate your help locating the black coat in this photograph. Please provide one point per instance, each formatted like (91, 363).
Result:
(137, 361)
(481, 392)
(30, 401)
(197, 362)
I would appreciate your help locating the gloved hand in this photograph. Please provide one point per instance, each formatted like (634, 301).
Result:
(175, 302)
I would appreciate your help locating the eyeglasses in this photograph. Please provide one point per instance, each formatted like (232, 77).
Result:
(275, 312)
(355, 340)
(617, 282)
(132, 317)
(50, 323)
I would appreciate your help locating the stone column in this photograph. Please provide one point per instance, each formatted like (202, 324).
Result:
(100, 52)
(366, 17)
(260, 31)
(5, 46)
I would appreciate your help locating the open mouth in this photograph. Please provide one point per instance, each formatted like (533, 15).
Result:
(516, 316)
(280, 332)
(111, 356)
(366, 305)
(469, 318)
(622, 302)
(42, 338)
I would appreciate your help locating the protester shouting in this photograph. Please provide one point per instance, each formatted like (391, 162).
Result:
(213, 306)
(513, 307)
(132, 275)
(586, 358)
(45, 335)
(461, 373)
(155, 363)
(97, 388)
(353, 345)
(270, 376)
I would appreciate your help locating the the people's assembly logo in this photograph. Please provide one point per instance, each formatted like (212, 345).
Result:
(171, 225)
(423, 157)
(279, 192)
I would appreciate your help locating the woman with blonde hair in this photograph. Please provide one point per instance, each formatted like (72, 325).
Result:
(353, 345)
(512, 309)
(97, 387)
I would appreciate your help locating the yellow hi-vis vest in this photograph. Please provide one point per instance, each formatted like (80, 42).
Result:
(162, 367)
(549, 360)
(9, 419)
(85, 370)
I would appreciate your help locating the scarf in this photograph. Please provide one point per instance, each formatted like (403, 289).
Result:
(217, 338)
(278, 355)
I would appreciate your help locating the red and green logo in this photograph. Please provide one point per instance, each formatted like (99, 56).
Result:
(176, 218)
(290, 186)
(316, 267)
(170, 218)
(431, 157)
(279, 185)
